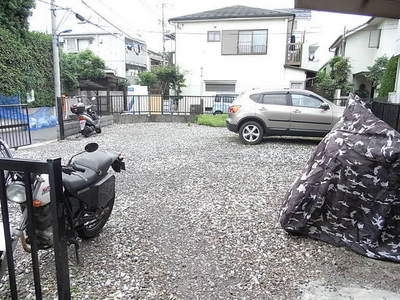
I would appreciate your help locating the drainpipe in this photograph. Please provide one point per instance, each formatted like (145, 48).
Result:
(201, 80)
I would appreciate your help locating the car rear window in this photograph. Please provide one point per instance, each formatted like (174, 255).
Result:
(276, 99)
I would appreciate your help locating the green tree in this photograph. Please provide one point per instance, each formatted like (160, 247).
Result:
(337, 78)
(325, 84)
(341, 71)
(168, 77)
(77, 66)
(14, 15)
(147, 78)
(377, 70)
(389, 78)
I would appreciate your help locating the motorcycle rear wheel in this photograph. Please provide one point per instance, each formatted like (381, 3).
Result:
(87, 131)
(92, 229)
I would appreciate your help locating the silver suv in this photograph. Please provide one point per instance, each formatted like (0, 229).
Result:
(260, 113)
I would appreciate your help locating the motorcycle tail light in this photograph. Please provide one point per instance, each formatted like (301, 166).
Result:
(36, 203)
(81, 118)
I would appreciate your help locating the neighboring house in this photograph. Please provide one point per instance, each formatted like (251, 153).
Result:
(124, 56)
(155, 59)
(364, 44)
(232, 49)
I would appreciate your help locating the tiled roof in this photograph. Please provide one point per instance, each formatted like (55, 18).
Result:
(300, 13)
(237, 11)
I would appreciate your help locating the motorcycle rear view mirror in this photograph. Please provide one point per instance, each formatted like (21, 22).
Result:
(91, 147)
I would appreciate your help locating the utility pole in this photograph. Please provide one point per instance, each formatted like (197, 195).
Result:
(56, 69)
(163, 30)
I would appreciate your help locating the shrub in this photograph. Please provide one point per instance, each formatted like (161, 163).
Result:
(389, 78)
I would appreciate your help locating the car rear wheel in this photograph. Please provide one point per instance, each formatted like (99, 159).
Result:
(251, 133)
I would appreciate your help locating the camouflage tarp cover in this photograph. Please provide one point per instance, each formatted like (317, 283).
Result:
(348, 194)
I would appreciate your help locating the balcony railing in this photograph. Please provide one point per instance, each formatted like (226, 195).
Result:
(294, 53)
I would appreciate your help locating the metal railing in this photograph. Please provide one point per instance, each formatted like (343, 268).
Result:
(27, 168)
(172, 105)
(14, 125)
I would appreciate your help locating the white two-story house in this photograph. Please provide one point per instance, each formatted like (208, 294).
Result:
(124, 56)
(237, 48)
(364, 44)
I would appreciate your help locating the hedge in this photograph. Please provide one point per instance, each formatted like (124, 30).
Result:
(25, 64)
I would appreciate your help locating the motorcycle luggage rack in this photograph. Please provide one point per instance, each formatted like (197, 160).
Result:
(54, 170)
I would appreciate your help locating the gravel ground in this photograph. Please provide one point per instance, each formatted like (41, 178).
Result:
(196, 218)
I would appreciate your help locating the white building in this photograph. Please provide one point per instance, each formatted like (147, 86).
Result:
(124, 56)
(236, 48)
(364, 44)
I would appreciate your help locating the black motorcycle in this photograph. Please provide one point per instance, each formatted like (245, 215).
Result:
(89, 194)
(89, 121)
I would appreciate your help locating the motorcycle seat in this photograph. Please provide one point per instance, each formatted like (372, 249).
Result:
(97, 161)
(78, 180)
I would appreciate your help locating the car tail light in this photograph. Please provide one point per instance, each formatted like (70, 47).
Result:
(233, 108)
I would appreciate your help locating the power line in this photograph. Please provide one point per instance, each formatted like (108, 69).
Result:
(117, 14)
(79, 16)
(101, 16)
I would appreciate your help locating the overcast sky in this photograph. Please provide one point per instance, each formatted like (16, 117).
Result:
(142, 17)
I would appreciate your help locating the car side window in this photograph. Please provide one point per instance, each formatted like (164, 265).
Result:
(305, 101)
(256, 97)
(276, 99)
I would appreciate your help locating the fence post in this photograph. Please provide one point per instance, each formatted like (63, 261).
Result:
(7, 236)
(125, 99)
(59, 236)
(60, 118)
(108, 100)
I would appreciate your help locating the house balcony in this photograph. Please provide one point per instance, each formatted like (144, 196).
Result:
(294, 54)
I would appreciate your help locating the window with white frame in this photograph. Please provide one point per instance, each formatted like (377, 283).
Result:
(215, 86)
(374, 38)
(244, 41)
(71, 45)
(213, 36)
(76, 45)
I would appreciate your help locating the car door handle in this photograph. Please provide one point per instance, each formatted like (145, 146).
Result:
(297, 111)
(262, 109)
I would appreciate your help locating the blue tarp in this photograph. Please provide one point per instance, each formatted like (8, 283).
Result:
(42, 118)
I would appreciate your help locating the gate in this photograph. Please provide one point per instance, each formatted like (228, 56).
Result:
(388, 112)
(14, 125)
(27, 168)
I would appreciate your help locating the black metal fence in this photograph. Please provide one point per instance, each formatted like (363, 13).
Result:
(27, 168)
(157, 104)
(388, 112)
(14, 126)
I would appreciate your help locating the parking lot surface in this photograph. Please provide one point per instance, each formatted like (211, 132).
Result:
(196, 218)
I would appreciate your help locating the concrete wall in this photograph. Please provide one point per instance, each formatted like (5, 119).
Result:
(295, 76)
(127, 119)
(202, 60)
(73, 128)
